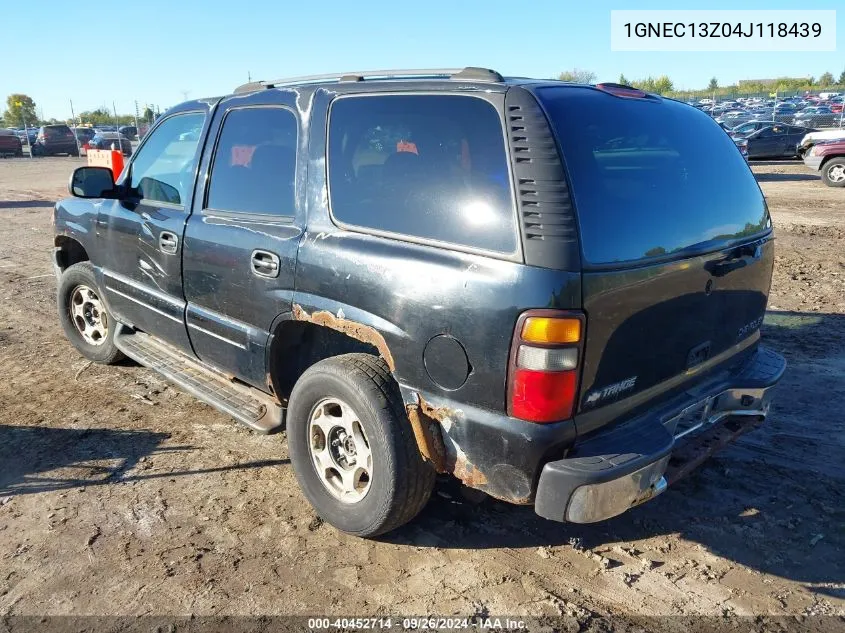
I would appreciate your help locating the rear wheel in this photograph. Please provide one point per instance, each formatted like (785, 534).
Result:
(833, 172)
(352, 447)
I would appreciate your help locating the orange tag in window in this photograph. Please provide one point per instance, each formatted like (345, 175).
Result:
(407, 146)
(242, 155)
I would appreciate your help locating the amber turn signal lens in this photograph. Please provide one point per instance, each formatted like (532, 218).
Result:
(551, 330)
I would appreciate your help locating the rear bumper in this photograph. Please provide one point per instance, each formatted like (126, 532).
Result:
(617, 469)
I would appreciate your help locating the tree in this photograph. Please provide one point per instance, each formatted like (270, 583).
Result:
(663, 84)
(826, 79)
(713, 84)
(624, 80)
(578, 76)
(841, 81)
(20, 109)
(149, 115)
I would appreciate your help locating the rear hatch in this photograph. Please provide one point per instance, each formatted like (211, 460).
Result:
(676, 245)
(59, 136)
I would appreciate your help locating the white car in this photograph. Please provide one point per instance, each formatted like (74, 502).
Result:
(815, 137)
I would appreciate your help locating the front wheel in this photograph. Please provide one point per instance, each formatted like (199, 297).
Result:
(352, 446)
(84, 316)
(833, 172)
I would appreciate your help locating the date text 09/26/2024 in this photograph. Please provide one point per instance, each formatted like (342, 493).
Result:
(416, 623)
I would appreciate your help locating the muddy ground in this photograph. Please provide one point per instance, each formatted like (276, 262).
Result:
(121, 495)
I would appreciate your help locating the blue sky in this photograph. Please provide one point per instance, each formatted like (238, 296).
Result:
(170, 47)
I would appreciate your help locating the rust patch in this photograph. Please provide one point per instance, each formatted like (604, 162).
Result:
(428, 438)
(425, 420)
(358, 331)
(468, 473)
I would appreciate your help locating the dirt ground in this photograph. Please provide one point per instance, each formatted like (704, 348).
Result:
(121, 495)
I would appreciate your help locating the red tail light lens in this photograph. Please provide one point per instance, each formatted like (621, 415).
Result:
(543, 372)
(543, 396)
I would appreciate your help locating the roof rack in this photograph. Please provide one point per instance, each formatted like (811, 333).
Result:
(470, 73)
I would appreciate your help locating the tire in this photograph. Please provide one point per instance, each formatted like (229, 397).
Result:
(401, 481)
(72, 291)
(833, 172)
(19, 153)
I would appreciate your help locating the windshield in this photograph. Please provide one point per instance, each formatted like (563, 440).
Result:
(651, 177)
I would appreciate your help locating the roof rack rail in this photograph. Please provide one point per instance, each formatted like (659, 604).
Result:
(470, 73)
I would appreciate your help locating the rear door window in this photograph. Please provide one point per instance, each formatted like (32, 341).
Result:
(255, 162)
(432, 167)
(651, 177)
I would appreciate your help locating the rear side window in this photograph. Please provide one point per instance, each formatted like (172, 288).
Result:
(426, 166)
(255, 162)
(651, 178)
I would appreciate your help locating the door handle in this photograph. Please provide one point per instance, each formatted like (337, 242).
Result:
(741, 257)
(168, 242)
(265, 264)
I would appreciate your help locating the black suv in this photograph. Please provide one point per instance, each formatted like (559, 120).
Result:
(55, 139)
(551, 291)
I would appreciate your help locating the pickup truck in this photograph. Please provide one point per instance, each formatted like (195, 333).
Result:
(552, 292)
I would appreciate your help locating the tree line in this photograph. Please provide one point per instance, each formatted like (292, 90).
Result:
(21, 109)
(663, 84)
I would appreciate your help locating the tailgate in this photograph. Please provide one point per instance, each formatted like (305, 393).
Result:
(676, 244)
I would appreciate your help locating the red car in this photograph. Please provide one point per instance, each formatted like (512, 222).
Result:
(829, 158)
(10, 144)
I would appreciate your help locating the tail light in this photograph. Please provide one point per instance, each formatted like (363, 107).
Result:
(544, 365)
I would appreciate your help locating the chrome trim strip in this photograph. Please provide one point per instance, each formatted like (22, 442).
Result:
(217, 336)
(143, 305)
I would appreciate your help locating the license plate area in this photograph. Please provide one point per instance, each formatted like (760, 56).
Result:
(692, 418)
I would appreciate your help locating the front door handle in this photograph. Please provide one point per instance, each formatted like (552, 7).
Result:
(265, 264)
(168, 242)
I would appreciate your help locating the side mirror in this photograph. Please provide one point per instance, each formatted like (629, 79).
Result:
(92, 182)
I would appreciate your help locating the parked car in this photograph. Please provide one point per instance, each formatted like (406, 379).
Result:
(27, 136)
(84, 134)
(828, 157)
(817, 116)
(775, 141)
(55, 139)
(744, 129)
(129, 131)
(734, 118)
(818, 137)
(389, 294)
(10, 144)
(111, 140)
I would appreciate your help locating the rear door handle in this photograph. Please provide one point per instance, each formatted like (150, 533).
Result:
(168, 242)
(265, 263)
(741, 258)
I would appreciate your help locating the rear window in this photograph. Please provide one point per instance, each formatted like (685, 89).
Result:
(651, 178)
(426, 166)
(57, 131)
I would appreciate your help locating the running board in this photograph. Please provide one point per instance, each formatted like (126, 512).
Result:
(247, 405)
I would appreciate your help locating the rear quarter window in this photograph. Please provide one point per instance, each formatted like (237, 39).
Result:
(651, 177)
(432, 167)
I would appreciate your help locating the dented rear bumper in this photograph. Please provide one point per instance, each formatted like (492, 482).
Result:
(593, 478)
(614, 470)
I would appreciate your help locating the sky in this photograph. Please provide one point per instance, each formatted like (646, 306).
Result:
(167, 50)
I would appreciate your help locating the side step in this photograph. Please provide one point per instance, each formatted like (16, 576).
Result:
(247, 405)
